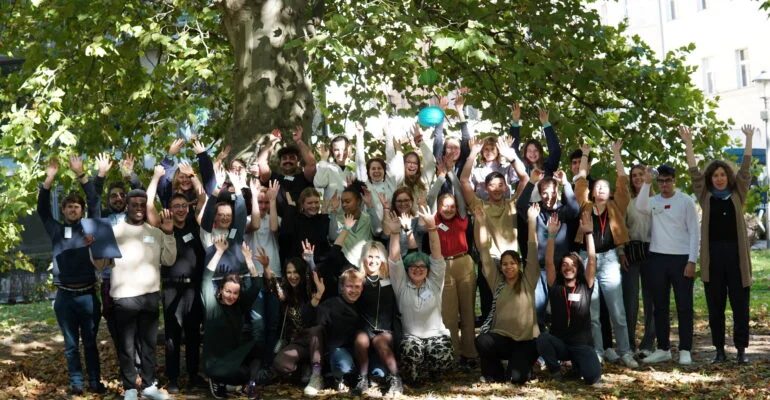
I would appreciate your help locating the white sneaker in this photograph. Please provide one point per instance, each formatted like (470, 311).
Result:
(153, 393)
(315, 385)
(645, 352)
(684, 357)
(130, 394)
(628, 360)
(611, 355)
(658, 356)
(601, 358)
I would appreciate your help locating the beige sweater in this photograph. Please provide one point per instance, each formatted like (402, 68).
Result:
(742, 182)
(144, 248)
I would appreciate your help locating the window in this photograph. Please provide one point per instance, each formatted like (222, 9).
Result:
(709, 81)
(702, 5)
(672, 9)
(742, 65)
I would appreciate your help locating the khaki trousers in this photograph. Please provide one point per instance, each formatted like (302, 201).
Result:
(459, 299)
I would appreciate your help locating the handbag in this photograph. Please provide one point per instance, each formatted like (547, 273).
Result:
(636, 251)
(281, 343)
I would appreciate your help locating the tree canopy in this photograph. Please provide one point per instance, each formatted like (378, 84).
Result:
(253, 65)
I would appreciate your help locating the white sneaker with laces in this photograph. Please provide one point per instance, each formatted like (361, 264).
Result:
(610, 355)
(685, 358)
(657, 356)
(628, 360)
(314, 386)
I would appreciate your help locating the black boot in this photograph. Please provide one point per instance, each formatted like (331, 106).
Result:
(742, 359)
(720, 357)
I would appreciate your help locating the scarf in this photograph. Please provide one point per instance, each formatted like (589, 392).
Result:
(723, 194)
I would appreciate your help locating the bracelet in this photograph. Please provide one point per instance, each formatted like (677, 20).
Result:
(432, 229)
(549, 236)
(345, 228)
(585, 155)
(81, 176)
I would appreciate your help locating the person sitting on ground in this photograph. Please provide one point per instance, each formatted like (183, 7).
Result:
(570, 295)
(229, 355)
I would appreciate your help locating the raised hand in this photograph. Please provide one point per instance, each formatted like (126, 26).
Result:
(158, 172)
(383, 200)
(297, 133)
(254, 169)
(536, 175)
(198, 147)
(429, 222)
(273, 189)
(504, 148)
(561, 177)
(416, 133)
(262, 258)
(440, 167)
(449, 164)
(476, 144)
(220, 174)
(367, 195)
(223, 154)
(323, 151)
(554, 225)
(246, 250)
(478, 213)
(616, 146)
(167, 221)
(459, 101)
(686, 134)
(443, 102)
(186, 168)
(254, 186)
(349, 221)
(127, 165)
(542, 115)
(391, 221)
(76, 164)
(307, 248)
(533, 211)
(103, 164)
(238, 180)
(585, 148)
(422, 200)
(748, 130)
(406, 221)
(319, 285)
(52, 168)
(221, 243)
(175, 147)
(586, 222)
(516, 112)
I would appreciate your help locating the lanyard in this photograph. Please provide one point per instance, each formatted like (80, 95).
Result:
(603, 222)
(567, 303)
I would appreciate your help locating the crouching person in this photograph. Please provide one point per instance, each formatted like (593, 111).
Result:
(418, 282)
(229, 357)
(570, 296)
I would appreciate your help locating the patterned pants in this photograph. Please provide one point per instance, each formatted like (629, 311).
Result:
(424, 357)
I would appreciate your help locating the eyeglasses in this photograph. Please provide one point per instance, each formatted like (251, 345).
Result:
(180, 206)
(664, 181)
(420, 266)
(116, 195)
(403, 201)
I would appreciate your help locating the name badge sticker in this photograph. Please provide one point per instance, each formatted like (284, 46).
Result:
(443, 227)
(425, 294)
(148, 239)
(573, 297)
(384, 282)
(188, 237)
(232, 233)
(289, 178)
(68, 232)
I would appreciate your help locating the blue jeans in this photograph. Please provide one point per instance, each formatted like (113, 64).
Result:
(78, 313)
(609, 282)
(341, 361)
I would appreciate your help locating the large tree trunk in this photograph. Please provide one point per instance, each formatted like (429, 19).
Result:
(271, 87)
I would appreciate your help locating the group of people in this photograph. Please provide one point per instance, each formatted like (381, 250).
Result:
(337, 274)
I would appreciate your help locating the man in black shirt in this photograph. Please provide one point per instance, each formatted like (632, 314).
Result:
(570, 296)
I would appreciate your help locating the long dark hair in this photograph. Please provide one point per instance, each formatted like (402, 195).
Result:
(516, 257)
(414, 181)
(729, 171)
(540, 149)
(301, 294)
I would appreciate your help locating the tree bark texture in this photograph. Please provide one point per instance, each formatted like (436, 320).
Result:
(271, 87)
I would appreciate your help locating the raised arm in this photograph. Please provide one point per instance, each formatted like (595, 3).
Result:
(438, 131)
(44, 197)
(643, 200)
(272, 196)
(617, 146)
(264, 155)
(307, 153)
(239, 208)
(206, 167)
(165, 186)
(428, 158)
(512, 156)
(429, 222)
(360, 156)
(93, 200)
(686, 134)
(515, 130)
(459, 200)
(551, 163)
(483, 242)
(168, 244)
(465, 176)
(550, 248)
(256, 218)
(622, 194)
(571, 209)
(152, 189)
(532, 213)
(744, 173)
(587, 228)
(393, 225)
